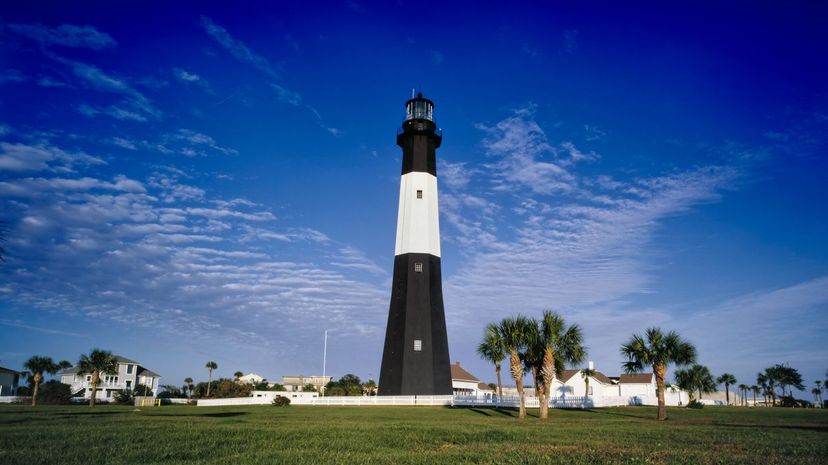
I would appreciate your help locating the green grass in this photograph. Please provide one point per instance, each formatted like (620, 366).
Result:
(407, 435)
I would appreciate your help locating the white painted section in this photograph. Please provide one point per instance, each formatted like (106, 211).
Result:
(418, 221)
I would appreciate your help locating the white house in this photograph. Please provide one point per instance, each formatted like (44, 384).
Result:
(464, 383)
(9, 380)
(129, 374)
(251, 378)
(572, 383)
(298, 382)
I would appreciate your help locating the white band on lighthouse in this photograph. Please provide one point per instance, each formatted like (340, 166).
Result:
(418, 221)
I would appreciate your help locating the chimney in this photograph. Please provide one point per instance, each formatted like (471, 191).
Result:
(457, 364)
(591, 365)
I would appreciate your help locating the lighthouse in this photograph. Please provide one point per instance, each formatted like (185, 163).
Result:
(415, 360)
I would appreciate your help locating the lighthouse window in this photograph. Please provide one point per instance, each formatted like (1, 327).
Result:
(419, 194)
(418, 345)
(418, 267)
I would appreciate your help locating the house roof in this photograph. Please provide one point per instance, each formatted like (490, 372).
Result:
(144, 372)
(9, 370)
(566, 375)
(458, 373)
(638, 378)
(484, 387)
(121, 360)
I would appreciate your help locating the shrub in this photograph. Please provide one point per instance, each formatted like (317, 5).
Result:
(280, 401)
(54, 392)
(695, 404)
(124, 396)
(790, 401)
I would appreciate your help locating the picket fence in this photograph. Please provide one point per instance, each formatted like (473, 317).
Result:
(569, 402)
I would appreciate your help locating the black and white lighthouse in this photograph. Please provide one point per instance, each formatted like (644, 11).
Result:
(416, 359)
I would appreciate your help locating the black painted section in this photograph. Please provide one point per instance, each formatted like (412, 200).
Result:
(419, 140)
(416, 312)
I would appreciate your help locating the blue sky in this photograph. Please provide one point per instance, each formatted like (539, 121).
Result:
(220, 183)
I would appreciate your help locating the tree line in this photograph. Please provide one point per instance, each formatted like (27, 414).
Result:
(544, 347)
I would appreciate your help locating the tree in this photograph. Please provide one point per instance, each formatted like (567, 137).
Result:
(586, 373)
(64, 364)
(743, 389)
(188, 383)
(37, 366)
(756, 390)
(696, 378)
(657, 350)
(237, 375)
(492, 350)
(514, 333)
(561, 345)
(370, 387)
(727, 379)
(818, 385)
(210, 367)
(56, 393)
(98, 362)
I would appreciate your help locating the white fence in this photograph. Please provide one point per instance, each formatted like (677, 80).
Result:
(15, 400)
(571, 402)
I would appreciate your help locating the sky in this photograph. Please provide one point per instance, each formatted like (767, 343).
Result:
(219, 182)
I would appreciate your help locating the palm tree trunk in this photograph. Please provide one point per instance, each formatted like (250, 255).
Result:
(94, 389)
(660, 371)
(727, 393)
(209, 381)
(540, 392)
(34, 393)
(586, 386)
(517, 373)
(499, 385)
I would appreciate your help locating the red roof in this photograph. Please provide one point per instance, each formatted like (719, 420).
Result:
(458, 373)
(638, 378)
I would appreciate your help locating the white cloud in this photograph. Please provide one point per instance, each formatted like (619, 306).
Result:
(66, 35)
(236, 47)
(192, 78)
(25, 157)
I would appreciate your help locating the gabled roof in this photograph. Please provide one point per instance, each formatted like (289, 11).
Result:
(566, 375)
(459, 374)
(121, 361)
(144, 372)
(484, 387)
(638, 378)
(9, 370)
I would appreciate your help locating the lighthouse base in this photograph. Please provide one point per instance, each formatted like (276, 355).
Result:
(415, 360)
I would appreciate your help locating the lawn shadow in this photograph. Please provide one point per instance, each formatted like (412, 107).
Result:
(818, 429)
(609, 412)
(481, 412)
(210, 415)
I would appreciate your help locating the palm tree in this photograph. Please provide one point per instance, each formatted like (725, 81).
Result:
(819, 386)
(38, 365)
(189, 383)
(743, 389)
(696, 378)
(586, 373)
(727, 379)
(561, 345)
(64, 364)
(756, 389)
(492, 350)
(97, 363)
(762, 382)
(514, 332)
(238, 375)
(815, 391)
(210, 367)
(657, 350)
(370, 387)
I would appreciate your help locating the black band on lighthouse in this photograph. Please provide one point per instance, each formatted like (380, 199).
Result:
(415, 360)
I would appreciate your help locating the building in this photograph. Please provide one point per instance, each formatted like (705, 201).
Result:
(251, 378)
(415, 359)
(294, 383)
(572, 383)
(9, 381)
(464, 383)
(130, 374)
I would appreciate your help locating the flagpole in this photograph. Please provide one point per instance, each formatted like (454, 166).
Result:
(324, 362)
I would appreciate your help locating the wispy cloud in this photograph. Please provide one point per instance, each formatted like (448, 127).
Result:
(189, 78)
(237, 48)
(65, 35)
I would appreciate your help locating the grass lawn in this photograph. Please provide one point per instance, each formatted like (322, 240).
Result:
(407, 435)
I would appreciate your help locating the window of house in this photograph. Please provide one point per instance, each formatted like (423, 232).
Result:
(88, 378)
(418, 267)
(419, 194)
(418, 345)
(129, 369)
(108, 393)
(129, 384)
(590, 390)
